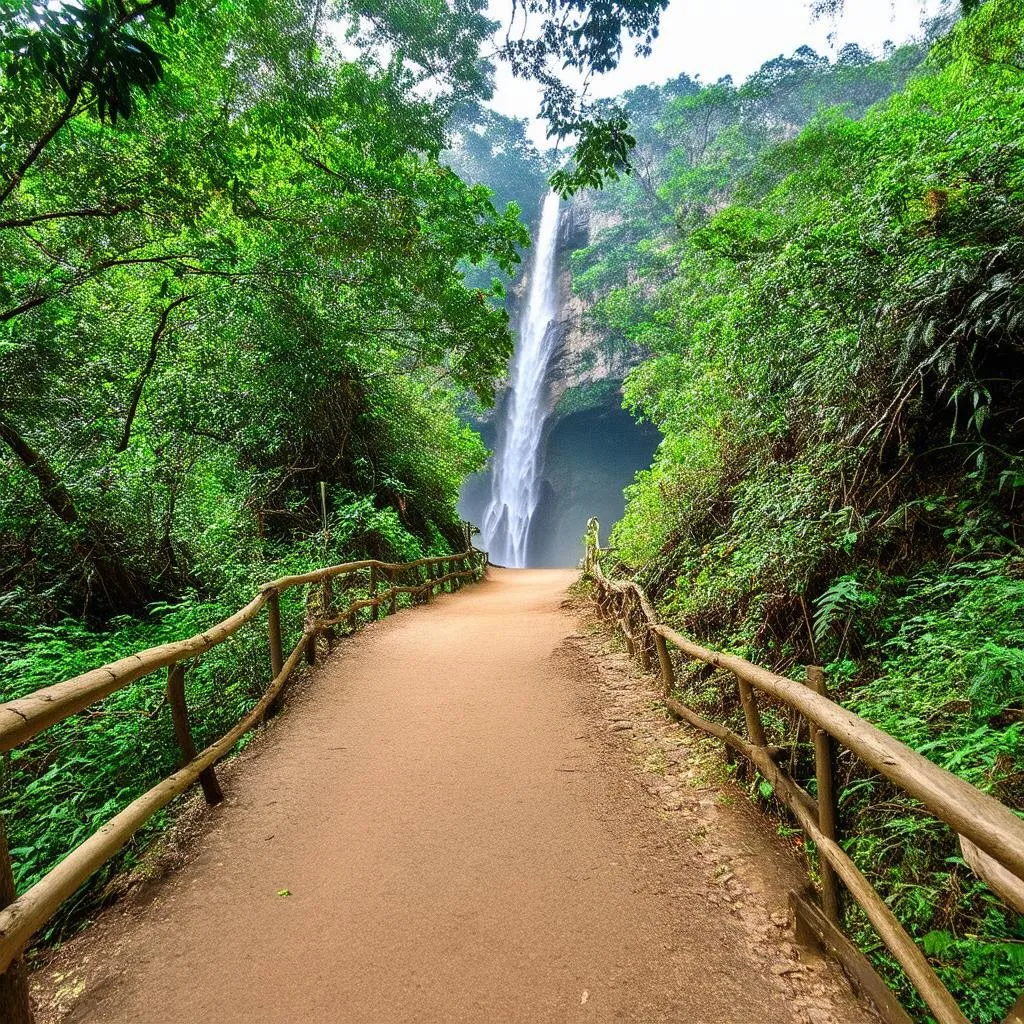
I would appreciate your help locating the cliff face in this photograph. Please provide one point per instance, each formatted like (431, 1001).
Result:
(589, 367)
(591, 448)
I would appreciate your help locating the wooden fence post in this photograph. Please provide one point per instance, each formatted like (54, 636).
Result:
(274, 632)
(394, 593)
(755, 730)
(824, 767)
(329, 611)
(374, 615)
(15, 1006)
(276, 653)
(621, 606)
(644, 641)
(310, 650)
(668, 676)
(183, 732)
(591, 545)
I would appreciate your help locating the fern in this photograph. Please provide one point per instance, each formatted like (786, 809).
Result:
(836, 603)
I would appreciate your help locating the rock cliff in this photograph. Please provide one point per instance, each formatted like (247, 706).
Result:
(591, 447)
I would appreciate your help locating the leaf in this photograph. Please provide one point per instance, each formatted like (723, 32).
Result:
(937, 943)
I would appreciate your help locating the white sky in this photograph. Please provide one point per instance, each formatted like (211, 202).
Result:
(712, 38)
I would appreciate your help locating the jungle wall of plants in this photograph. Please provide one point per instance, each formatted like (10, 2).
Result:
(233, 268)
(830, 281)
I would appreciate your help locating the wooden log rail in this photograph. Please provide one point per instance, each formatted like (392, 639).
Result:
(21, 719)
(980, 820)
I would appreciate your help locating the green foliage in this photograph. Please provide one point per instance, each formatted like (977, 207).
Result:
(587, 37)
(586, 396)
(487, 147)
(232, 270)
(64, 784)
(601, 156)
(834, 320)
(839, 603)
(954, 643)
(204, 316)
(90, 52)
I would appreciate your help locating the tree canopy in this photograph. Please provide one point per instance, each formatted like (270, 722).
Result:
(220, 242)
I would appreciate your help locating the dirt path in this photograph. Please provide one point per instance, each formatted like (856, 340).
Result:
(460, 840)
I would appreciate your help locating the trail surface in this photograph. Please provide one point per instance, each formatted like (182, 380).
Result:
(456, 845)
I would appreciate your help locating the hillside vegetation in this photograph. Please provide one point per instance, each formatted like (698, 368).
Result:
(231, 270)
(835, 321)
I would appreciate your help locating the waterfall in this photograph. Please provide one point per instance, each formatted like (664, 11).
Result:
(515, 488)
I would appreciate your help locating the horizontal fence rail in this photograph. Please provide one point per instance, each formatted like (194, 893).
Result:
(991, 835)
(21, 719)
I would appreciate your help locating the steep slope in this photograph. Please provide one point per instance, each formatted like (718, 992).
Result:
(835, 322)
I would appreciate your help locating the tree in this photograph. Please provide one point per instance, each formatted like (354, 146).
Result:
(202, 263)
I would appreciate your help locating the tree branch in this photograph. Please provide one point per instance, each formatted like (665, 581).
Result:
(51, 489)
(94, 211)
(40, 144)
(68, 111)
(140, 383)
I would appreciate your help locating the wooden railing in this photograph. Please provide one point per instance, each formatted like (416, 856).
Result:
(991, 835)
(20, 720)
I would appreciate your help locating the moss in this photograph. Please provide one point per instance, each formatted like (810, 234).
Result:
(588, 396)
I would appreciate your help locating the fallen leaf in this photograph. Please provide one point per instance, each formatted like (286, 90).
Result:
(284, 892)
(584, 997)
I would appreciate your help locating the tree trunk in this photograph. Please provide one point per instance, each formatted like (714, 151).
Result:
(118, 589)
(147, 369)
(51, 489)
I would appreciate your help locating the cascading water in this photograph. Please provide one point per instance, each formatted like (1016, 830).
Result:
(515, 488)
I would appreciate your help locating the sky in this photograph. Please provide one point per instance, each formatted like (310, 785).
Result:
(712, 38)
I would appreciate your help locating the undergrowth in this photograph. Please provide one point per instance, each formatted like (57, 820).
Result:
(61, 786)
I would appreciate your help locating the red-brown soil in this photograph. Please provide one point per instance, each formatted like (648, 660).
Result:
(444, 826)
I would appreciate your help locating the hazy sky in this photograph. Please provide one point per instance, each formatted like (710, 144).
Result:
(712, 38)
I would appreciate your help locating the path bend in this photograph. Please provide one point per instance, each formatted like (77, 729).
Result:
(456, 845)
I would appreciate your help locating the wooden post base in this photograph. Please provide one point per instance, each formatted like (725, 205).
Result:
(815, 931)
